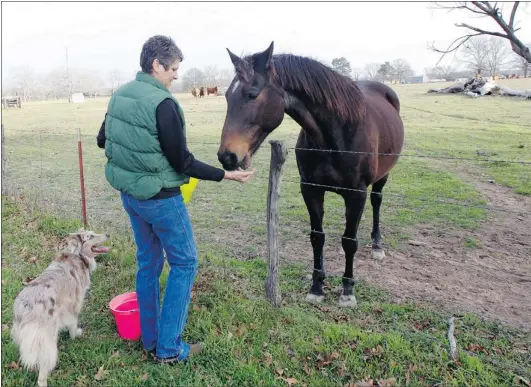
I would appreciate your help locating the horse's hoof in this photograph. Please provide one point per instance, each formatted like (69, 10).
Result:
(378, 254)
(348, 301)
(314, 298)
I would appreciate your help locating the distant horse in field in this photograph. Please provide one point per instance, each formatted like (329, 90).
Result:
(195, 92)
(359, 120)
(212, 90)
(202, 92)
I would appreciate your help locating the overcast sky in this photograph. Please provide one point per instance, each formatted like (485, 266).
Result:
(103, 36)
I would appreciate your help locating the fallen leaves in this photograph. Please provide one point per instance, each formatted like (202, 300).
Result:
(369, 353)
(5, 327)
(519, 381)
(241, 330)
(290, 381)
(99, 374)
(268, 358)
(199, 308)
(371, 383)
(144, 377)
(421, 325)
(13, 365)
(476, 348)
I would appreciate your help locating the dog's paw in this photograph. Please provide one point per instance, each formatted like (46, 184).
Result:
(77, 333)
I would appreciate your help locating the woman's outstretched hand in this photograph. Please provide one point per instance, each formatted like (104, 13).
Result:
(240, 176)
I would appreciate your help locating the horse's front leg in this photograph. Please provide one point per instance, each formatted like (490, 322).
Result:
(354, 203)
(314, 199)
(376, 201)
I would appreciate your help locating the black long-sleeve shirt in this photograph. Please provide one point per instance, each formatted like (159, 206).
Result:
(173, 143)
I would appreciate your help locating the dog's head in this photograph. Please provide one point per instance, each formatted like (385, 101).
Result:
(85, 244)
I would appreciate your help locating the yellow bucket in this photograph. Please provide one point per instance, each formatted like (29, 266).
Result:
(187, 190)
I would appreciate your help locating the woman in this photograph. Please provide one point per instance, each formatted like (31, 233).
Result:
(147, 161)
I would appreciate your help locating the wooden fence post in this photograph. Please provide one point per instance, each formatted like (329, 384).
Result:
(4, 159)
(279, 153)
(81, 179)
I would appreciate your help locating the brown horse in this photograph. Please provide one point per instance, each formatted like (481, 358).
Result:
(355, 120)
(202, 92)
(212, 90)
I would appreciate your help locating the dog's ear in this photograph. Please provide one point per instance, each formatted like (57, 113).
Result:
(82, 234)
(70, 243)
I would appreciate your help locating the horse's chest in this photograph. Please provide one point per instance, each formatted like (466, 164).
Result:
(328, 168)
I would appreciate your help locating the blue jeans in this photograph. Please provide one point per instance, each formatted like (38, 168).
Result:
(159, 225)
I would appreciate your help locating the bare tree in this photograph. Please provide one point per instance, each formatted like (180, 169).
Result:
(225, 77)
(116, 78)
(498, 54)
(445, 71)
(371, 70)
(521, 64)
(357, 73)
(485, 9)
(193, 78)
(474, 54)
(211, 74)
(440, 71)
(24, 81)
(401, 69)
(56, 84)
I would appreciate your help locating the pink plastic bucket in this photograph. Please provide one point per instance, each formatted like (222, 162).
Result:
(125, 310)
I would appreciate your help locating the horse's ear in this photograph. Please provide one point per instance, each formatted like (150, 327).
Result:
(235, 59)
(238, 63)
(263, 59)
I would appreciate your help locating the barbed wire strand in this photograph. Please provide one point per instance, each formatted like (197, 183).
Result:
(525, 162)
(403, 196)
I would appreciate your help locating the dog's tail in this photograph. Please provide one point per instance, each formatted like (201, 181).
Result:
(37, 342)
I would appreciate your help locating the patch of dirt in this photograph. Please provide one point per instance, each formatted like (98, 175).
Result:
(491, 278)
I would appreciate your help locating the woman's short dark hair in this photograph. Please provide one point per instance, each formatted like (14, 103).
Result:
(162, 48)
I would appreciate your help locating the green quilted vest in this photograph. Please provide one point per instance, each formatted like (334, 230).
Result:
(136, 164)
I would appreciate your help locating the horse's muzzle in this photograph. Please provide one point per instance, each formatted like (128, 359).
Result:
(229, 160)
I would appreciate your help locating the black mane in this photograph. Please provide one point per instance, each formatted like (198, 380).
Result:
(320, 84)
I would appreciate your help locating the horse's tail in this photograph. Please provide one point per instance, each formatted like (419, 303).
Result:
(392, 97)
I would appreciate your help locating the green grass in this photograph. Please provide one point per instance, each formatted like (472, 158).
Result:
(460, 126)
(43, 167)
(248, 342)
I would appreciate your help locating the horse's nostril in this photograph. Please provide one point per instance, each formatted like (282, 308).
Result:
(228, 160)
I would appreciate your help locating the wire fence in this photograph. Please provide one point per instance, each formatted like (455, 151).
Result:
(62, 174)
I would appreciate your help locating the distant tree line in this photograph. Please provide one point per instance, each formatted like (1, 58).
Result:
(480, 55)
(56, 84)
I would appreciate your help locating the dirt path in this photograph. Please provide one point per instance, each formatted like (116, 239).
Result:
(492, 279)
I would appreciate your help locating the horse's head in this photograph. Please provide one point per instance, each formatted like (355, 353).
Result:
(255, 107)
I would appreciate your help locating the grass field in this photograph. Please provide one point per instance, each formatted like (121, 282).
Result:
(248, 343)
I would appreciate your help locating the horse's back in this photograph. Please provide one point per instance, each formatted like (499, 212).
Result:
(378, 88)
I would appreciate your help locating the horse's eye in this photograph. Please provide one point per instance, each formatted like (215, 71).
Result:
(252, 95)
